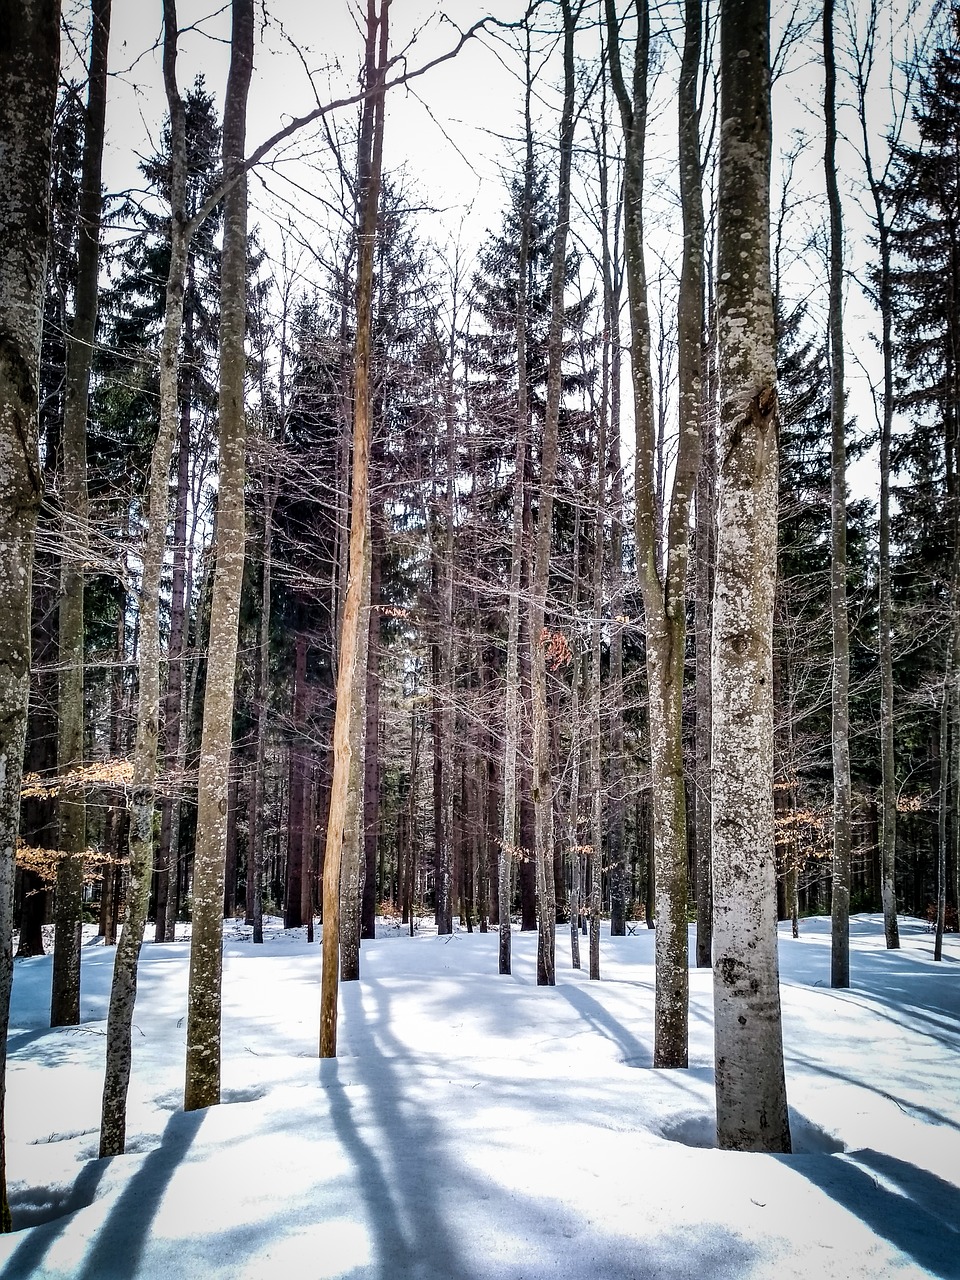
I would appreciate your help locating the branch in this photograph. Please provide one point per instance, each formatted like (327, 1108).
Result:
(300, 122)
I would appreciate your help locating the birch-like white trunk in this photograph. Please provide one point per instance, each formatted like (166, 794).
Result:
(750, 1086)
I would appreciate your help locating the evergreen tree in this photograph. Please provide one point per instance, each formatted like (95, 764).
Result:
(924, 194)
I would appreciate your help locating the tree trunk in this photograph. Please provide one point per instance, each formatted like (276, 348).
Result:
(751, 1093)
(663, 589)
(353, 858)
(371, 153)
(511, 712)
(29, 66)
(123, 988)
(72, 837)
(542, 789)
(371, 740)
(888, 823)
(202, 1081)
(293, 896)
(169, 845)
(840, 710)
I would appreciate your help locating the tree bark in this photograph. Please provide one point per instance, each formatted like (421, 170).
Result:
(840, 709)
(888, 823)
(663, 589)
(72, 837)
(141, 793)
(751, 1092)
(543, 798)
(29, 66)
(371, 155)
(511, 712)
(202, 1081)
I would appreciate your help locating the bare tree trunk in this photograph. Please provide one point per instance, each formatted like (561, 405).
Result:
(371, 153)
(542, 774)
(663, 588)
(888, 824)
(72, 836)
(371, 741)
(293, 897)
(29, 65)
(123, 989)
(202, 1080)
(352, 854)
(949, 746)
(840, 723)
(168, 848)
(751, 1092)
(511, 713)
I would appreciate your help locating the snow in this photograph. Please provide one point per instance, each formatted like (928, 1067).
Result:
(479, 1128)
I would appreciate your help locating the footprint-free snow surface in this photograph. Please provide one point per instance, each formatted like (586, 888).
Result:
(475, 1127)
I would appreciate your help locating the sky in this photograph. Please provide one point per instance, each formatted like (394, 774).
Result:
(477, 1127)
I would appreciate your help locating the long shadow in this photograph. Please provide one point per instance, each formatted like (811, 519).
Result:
(635, 1054)
(908, 1108)
(393, 1250)
(31, 1251)
(919, 1218)
(415, 1148)
(124, 1234)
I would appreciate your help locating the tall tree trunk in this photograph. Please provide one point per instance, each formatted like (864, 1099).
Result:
(141, 794)
(169, 844)
(72, 837)
(257, 825)
(542, 772)
(353, 859)
(613, 475)
(751, 1092)
(511, 712)
(202, 1081)
(663, 589)
(888, 823)
(371, 155)
(371, 739)
(293, 895)
(840, 710)
(29, 66)
(703, 621)
(949, 747)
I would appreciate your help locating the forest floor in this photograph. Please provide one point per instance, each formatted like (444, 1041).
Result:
(475, 1127)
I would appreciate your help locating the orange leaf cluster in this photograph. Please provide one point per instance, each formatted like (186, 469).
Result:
(43, 862)
(103, 773)
(557, 651)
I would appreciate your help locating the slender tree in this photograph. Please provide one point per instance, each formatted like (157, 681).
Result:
(123, 988)
(663, 585)
(72, 839)
(543, 792)
(751, 1091)
(202, 1085)
(347, 706)
(840, 727)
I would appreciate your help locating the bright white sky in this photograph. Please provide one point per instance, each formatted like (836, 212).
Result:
(451, 130)
(476, 1127)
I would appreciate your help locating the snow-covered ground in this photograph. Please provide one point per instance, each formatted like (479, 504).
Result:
(476, 1127)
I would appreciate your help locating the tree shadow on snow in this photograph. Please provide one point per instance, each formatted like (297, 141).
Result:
(909, 1207)
(599, 1019)
(404, 1201)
